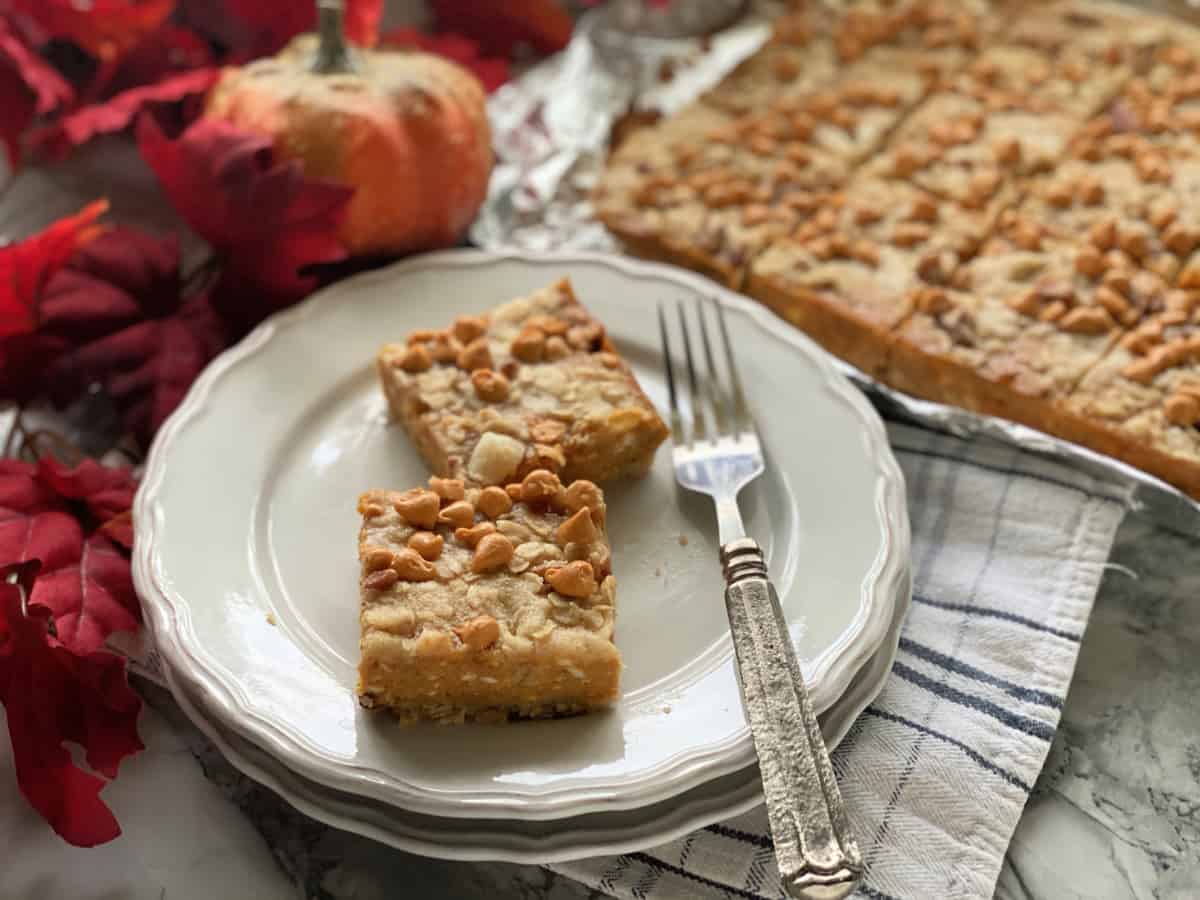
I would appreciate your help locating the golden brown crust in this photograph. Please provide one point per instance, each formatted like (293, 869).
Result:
(508, 615)
(533, 384)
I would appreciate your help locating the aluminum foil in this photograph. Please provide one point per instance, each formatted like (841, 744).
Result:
(551, 128)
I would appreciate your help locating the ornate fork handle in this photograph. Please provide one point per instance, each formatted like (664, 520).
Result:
(818, 857)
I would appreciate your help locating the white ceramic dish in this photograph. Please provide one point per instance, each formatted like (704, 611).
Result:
(246, 547)
(538, 843)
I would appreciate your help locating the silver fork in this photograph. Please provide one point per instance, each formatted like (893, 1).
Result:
(717, 452)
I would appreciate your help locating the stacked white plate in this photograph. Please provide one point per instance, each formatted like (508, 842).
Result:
(246, 564)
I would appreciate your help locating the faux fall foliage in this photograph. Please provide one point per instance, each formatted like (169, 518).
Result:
(278, 194)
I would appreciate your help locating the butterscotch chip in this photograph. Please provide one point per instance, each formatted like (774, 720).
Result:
(530, 345)
(427, 544)
(1052, 312)
(490, 386)
(1189, 277)
(418, 507)
(1008, 151)
(1087, 320)
(414, 359)
(448, 489)
(1090, 190)
(576, 579)
(411, 566)
(1089, 261)
(909, 234)
(468, 328)
(1182, 409)
(377, 558)
(473, 535)
(579, 529)
(493, 502)
(479, 633)
(1104, 234)
(475, 355)
(492, 552)
(460, 514)
(540, 486)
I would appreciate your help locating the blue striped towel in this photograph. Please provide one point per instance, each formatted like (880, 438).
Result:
(1008, 551)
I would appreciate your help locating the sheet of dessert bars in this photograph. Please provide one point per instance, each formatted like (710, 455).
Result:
(552, 128)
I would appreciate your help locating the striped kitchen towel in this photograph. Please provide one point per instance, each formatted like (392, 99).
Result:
(1008, 551)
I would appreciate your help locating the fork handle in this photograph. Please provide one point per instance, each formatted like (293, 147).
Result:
(817, 855)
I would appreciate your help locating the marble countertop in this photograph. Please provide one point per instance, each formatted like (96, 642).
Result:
(1115, 814)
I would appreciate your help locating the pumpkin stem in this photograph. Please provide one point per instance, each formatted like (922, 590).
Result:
(333, 56)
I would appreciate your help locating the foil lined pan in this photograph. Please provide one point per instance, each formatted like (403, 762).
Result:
(551, 129)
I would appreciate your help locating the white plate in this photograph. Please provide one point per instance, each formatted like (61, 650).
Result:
(539, 843)
(246, 547)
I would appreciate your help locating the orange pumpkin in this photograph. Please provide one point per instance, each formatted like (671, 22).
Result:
(408, 130)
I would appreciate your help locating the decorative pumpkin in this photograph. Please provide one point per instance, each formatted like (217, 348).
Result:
(408, 130)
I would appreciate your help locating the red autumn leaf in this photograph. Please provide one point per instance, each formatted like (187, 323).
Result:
(172, 50)
(29, 86)
(275, 22)
(58, 140)
(26, 267)
(499, 27)
(85, 581)
(147, 368)
(106, 490)
(264, 218)
(120, 306)
(90, 598)
(52, 695)
(491, 71)
(107, 29)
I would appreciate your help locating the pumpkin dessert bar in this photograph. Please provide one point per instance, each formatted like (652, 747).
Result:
(847, 276)
(533, 384)
(1141, 403)
(486, 603)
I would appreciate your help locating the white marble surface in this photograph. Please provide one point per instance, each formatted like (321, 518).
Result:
(1116, 812)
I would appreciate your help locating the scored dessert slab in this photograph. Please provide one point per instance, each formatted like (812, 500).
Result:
(263, 623)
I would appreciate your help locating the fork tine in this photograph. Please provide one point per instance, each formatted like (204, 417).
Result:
(742, 420)
(677, 429)
(713, 382)
(699, 427)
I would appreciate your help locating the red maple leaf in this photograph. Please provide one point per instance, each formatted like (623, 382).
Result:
(275, 22)
(53, 695)
(147, 368)
(118, 113)
(107, 29)
(491, 71)
(107, 491)
(29, 86)
(85, 581)
(499, 27)
(25, 267)
(264, 218)
(120, 309)
(169, 51)
(91, 597)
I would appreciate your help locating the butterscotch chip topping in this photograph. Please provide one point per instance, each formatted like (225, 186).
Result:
(448, 489)
(418, 507)
(427, 544)
(494, 502)
(491, 387)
